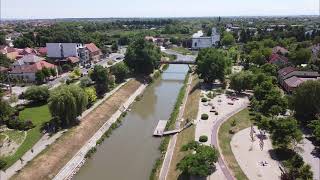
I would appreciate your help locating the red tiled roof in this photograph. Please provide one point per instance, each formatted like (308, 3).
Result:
(92, 47)
(73, 59)
(295, 81)
(27, 50)
(33, 68)
(43, 50)
(286, 70)
(276, 57)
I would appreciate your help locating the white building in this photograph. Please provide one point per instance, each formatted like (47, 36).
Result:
(199, 41)
(64, 50)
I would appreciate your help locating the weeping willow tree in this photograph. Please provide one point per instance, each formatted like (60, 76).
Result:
(66, 103)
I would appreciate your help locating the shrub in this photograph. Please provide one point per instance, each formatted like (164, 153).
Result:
(92, 95)
(204, 100)
(85, 82)
(66, 68)
(233, 123)
(20, 125)
(204, 116)
(37, 94)
(203, 138)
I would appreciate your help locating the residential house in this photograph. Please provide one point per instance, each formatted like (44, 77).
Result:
(94, 52)
(290, 78)
(278, 60)
(27, 51)
(27, 67)
(199, 41)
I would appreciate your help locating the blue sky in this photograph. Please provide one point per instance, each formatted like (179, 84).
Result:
(154, 8)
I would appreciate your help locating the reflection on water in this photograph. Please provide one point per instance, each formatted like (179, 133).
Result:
(130, 152)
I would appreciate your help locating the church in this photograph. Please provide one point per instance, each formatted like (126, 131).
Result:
(199, 41)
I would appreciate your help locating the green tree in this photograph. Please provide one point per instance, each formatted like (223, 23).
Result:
(66, 103)
(257, 57)
(142, 56)
(201, 163)
(22, 42)
(91, 93)
(37, 94)
(114, 46)
(269, 69)
(300, 56)
(285, 133)
(315, 127)
(5, 110)
(306, 100)
(101, 76)
(40, 77)
(53, 72)
(4, 61)
(211, 65)
(121, 71)
(227, 39)
(241, 81)
(85, 82)
(46, 72)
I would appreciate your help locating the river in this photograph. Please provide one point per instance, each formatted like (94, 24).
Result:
(130, 152)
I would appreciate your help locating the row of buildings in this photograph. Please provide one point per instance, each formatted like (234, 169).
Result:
(290, 77)
(85, 53)
(28, 61)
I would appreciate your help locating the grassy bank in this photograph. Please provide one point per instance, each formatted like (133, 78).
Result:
(241, 120)
(38, 115)
(182, 50)
(170, 125)
(187, 135)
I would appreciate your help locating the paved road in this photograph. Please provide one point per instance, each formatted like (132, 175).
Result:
(214, 140)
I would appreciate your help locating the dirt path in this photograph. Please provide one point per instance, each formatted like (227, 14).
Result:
(48, 164)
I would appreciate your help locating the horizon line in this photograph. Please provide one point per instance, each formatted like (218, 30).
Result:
(162, 17)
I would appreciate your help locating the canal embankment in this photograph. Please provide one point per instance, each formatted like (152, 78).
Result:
(132, 148)
(48, 164)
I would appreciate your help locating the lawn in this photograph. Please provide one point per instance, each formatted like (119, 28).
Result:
(38, 115)
(182, 50)
(187, 135)
(242, 121)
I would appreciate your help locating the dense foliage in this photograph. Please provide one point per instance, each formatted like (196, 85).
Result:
(100, 76)
(201, 163)
(37, 94)
(142, 57)
(211, 65)
(120, 71)
(306, 100)
(66, 103)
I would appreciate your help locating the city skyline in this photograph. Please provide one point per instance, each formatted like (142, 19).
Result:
(37, 9)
